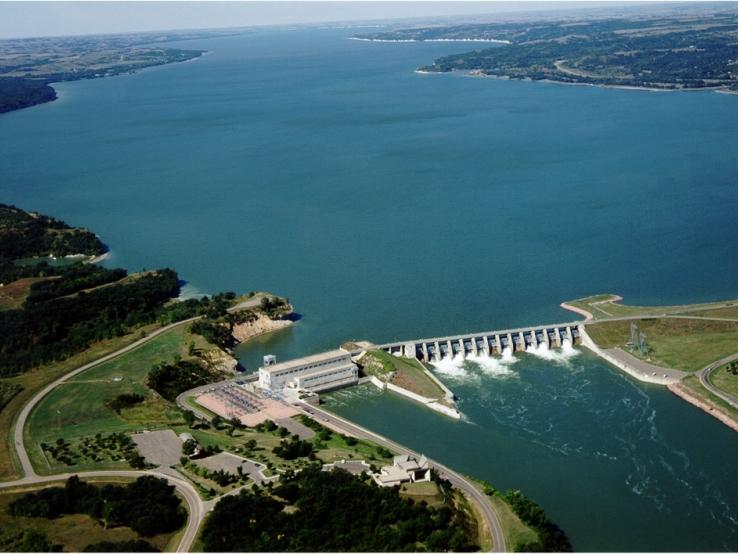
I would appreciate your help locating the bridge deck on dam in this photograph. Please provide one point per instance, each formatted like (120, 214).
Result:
(490, 342)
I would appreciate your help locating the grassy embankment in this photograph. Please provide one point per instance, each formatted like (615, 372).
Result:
(72, 532)
(695, 388)
(686, 344)
(404, 372)
(606, 306)
(79, 407)
(724, 379)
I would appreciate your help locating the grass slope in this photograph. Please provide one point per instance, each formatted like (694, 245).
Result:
(33, 381)
(686, 344)
(79, 407)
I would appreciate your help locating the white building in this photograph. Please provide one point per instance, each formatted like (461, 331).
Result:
(328, 370)
(404, 469)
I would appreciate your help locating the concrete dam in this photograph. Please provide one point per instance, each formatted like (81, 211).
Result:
(491, 342)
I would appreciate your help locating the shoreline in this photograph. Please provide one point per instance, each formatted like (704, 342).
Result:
(488, 40)
(587, 315)
(479, 74)
(706, 406)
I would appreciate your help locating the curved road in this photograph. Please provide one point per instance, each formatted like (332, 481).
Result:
(704, 375)
(20, 424)
(195, 505)
(196, 509)
(490, 516)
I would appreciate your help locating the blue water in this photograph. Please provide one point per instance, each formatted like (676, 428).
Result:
(391, 205)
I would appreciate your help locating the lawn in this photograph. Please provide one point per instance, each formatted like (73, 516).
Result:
(34, 380)
(79, 407)
(601, 308)
(686, 344)
(723, 379)
(516, 532)
(424, 491)
(408, 373)
(73, 532)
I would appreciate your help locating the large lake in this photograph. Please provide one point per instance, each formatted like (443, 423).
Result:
(391, 205)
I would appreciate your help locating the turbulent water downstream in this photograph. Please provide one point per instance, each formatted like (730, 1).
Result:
(618, 463)
(390, 206)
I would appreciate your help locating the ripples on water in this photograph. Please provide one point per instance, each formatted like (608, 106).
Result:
(536, 395)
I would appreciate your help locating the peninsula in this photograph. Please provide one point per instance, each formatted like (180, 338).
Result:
(28, 66)
(678, 51)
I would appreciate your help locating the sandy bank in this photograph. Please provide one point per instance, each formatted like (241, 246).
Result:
(705, 405)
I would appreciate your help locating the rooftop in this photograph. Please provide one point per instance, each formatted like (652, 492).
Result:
(300, 362)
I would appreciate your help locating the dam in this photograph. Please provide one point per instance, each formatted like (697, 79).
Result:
(487, 343)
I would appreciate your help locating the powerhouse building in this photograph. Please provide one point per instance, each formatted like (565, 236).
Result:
(328, 370)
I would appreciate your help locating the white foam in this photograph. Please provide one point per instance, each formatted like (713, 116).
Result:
(562, 354)
(492, 366)
(453, 367)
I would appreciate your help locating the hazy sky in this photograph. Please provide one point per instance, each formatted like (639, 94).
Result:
(29, 19)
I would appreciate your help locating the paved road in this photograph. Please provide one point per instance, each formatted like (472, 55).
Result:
(456, 479)
(196, 508)
(704, 375)
(20, 425)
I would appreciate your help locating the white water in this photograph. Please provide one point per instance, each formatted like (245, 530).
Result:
(460, 367)
(561, 355)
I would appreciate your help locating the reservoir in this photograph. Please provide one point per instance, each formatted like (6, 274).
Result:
(390, 205)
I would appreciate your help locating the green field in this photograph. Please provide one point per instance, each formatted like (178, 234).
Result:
(602, 306)
(516, 532)
(725, 380)
(79, 407)
(35, 380)
(686, 344)
(73, 532)
(426, 491)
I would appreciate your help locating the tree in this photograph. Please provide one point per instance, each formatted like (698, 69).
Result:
(188, 447)
(189, 418)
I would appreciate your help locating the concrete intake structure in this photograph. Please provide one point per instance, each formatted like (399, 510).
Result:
(491, 342)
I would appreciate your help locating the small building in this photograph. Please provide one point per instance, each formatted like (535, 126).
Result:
(404, 469)
(328, 370)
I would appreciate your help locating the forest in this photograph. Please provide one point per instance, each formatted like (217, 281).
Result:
(18, 92)
(42, 332)
(334, 512)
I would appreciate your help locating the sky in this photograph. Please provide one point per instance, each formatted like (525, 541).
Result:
(56, 18)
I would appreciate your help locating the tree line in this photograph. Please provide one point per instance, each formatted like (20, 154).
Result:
(43, 332)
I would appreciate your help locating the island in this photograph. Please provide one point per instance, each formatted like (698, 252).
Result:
(685, 49)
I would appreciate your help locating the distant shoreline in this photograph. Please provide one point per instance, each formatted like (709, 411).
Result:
(476, 73)
(492, 40)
